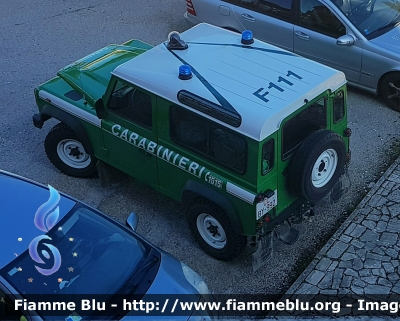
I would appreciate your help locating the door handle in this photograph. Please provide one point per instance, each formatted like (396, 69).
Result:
(302, 35)
(248, 17)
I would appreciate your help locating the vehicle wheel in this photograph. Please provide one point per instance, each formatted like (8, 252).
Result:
(391, 90)
(317, 165)
(213, 230)
(66, 152)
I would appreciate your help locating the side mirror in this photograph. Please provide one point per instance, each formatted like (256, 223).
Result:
(345, 40)
(100, 109)
(132, 221)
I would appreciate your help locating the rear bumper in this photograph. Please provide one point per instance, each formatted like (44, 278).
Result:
(192, 19)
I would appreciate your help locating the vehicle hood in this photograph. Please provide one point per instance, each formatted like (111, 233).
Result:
(91, 74)
(169, 283)
(19, 201)
(389, 41)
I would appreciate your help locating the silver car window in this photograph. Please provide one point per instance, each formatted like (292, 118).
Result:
(315, 16)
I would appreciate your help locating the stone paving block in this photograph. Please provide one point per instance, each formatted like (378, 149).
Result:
(345, 264)
(395, 263)
(346, 281)
(394, 210)
(374, 217)
(381, 226)
(337, 278)
(372, 264)
(357, 290)
(359, 283)
(370, 279)
(374, 200)
(348, 256)
(350, 272)
(396, 288)
(382, 201)
(314, 277)
(384, 281)
(392, 253)
(333, 266)
(385, 218)
(326, 281)
(365, 272)
(369, 236)
(385, 212)
(329, 292)
(357, 244)
(350, 229)
(394, 196)
(377, 257)
(370, 224)
(379, 272)
(337, 250)
(378, 250)
(393, 225)
(357, 264)
(377, 289)
(388, 239)
(323, 264)
(393, 276)
(388, 267)
(345, 238)
(358, 231)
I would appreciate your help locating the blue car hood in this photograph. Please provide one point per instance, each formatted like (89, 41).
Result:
(19, 201)
(389, 40)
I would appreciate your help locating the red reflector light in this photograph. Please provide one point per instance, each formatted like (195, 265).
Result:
(190, 8)
(267, 218)
(347, 132)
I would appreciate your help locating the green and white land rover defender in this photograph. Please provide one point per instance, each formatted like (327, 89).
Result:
(247, 135)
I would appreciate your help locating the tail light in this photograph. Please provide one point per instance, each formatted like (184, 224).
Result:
(190, 8)
(347, 132)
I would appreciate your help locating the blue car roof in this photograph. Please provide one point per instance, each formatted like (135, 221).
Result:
(19, 201)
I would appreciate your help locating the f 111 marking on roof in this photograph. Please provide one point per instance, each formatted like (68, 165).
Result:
(224, 103)
(276, 87)
(278, 52)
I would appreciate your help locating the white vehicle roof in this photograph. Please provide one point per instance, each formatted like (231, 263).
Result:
(259, 83)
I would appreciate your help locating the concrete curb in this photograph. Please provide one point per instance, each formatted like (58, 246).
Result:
(342, 228)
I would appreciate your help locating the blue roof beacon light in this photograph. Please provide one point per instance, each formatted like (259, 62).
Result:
(175, 42)
(185, 72)
(247, 37)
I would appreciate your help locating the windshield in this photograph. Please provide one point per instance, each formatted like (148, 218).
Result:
(371, 17)
(97, 257)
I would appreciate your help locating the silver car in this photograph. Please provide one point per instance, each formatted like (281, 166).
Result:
(359, 37)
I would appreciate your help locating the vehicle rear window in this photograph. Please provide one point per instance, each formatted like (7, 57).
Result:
(298, 128)
(208, 139)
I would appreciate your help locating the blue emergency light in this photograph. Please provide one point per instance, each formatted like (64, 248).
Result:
(185, 72)
(247, 37)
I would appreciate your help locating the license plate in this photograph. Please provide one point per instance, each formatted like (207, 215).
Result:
(266, 205)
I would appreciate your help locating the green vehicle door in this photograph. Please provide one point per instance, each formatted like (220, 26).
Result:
(129, 132)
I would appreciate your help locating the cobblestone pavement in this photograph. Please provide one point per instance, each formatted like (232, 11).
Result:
(362, 257)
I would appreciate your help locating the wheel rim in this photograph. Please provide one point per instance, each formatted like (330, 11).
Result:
(393, 94)
(72, 153)
(324, 168)
(211, 231)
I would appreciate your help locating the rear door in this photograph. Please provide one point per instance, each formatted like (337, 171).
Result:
(315, 37)
(270, 20)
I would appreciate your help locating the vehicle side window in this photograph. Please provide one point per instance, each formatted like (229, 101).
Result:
(268, 156)
(275, 8)
(338, 107)
(131, 103)
(208, 139)
(315, 16)
(298, 128)
(7, 310)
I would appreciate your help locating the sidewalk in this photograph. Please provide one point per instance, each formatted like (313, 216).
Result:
(362, 257)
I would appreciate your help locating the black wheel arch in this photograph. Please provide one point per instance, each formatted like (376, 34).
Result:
(192, 190)
(48, 111)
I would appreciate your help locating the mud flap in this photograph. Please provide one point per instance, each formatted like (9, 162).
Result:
(341, 187)
(109, 175)
(263, 252)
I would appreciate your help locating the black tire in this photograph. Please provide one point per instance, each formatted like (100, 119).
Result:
(67, 153)
(205, 213)
(390, 90)
(317, 165)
